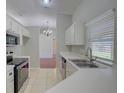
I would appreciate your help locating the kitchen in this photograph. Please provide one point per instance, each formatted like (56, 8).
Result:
(85, 53)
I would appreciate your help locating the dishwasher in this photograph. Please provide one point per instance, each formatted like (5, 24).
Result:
(63, 68)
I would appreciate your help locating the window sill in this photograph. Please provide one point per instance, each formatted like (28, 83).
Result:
(109, 63)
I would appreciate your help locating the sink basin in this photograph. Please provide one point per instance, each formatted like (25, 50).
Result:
(86, 65)
(78, 60)
(83, 63)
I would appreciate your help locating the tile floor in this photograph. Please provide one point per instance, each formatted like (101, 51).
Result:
(41, 80)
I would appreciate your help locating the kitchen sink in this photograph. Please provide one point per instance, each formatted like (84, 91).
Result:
(87, 65)
(83, 63)
(78, 60)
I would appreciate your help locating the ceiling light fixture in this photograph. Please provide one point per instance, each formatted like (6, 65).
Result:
(46, 3)
(47, 31)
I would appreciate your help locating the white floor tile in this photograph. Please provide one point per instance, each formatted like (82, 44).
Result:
(41, 80)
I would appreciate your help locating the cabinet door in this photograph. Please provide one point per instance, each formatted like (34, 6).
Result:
(10, 87)
(21, 38)
(8, 23)
(78, 34)
(75, 34)
(14, 27)
(67, 69)
(72, 34)
(68, 37)
(9, 79)
(70, 69)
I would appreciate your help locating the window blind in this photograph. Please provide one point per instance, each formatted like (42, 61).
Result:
(101, 35)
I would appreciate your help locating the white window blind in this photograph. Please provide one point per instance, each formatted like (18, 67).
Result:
(101, 35)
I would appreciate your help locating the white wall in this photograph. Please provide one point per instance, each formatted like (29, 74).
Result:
(63, 22)
(45, 46)
(88, 10)
(33, 46)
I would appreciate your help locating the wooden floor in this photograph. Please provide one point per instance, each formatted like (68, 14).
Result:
(47, 62)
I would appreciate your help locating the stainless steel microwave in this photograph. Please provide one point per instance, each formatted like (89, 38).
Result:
(12, 39)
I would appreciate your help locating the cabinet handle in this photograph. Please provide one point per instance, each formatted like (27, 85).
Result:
(10, 73)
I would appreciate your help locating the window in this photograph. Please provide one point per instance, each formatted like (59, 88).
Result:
(101, 36)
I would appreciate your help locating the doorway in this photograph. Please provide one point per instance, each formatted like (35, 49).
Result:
(47, 50)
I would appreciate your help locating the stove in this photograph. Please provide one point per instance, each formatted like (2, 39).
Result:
(17, 61)
(20, 71)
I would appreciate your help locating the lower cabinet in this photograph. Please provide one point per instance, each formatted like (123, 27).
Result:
(70, 69)
(9, 79)
(10, 87)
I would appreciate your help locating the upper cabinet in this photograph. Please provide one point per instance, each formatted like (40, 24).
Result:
(12, 26)
(8, 23)
(74, 35)
(25, 32)
(68, 38)
(15, 28)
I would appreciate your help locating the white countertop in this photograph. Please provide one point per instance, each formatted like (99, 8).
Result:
(71, 55)
(21, 56)
(87, 80)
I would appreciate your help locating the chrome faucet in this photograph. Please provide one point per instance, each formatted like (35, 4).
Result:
(89, 55)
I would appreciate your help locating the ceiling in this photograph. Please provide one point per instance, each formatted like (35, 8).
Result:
(32, 13)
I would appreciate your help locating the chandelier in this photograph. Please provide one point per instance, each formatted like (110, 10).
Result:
(46, 30)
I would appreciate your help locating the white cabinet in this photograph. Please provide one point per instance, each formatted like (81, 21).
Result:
(8, 23)
(21, 38)
(12, 26)
(68, 37)
(74, 35)
(10, 79)
(70, 69)
(15, 27)
(79, 33)
(25, 32)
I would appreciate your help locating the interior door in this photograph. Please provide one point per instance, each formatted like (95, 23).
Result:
(46, 46)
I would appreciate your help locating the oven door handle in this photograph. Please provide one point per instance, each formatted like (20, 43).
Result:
(22, 65)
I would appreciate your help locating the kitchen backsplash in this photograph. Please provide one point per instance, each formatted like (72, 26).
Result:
(78, 49)
(17, 51)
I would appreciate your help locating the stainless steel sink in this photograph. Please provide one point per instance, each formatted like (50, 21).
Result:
(83, 63)
(78, 60)
(87, 65)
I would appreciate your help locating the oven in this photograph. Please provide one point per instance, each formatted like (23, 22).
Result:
(21, 75)
(21, 71)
